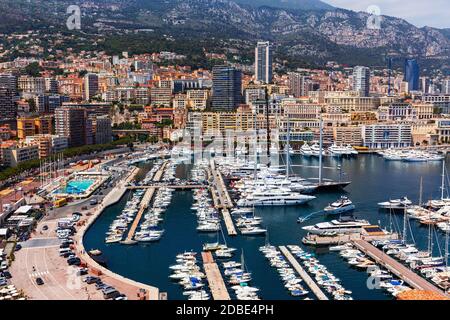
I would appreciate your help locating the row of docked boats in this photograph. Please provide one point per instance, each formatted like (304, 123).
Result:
(292, 282)
(148, 179)
(239, 278)
(382, 279)
(439, 218)
(410, 155)
(189, 276)
(247, 222)
(334, 150)
(324, 278)
(149, 230)
(207, 216)
(433, 268)
(119, 226)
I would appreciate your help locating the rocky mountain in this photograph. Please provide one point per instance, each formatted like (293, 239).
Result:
(302, 30)
(288, 4)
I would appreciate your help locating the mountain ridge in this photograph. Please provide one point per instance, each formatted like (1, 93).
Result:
(298, 35)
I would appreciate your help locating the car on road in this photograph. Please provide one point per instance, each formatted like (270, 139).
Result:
(73, 261)
(39, 281)
(18, 247)
(45, 228)
(91, 279)
(82, 271)
(3, 265)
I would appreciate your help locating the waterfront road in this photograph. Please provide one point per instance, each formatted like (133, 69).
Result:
(41, 243)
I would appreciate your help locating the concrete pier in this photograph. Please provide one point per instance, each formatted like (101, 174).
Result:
(306, 278)
(222, 199)
(143, 207)
(407, 275)
(216, 284)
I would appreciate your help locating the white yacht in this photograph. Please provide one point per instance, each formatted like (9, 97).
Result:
(342, 205)
(315, 149)
(274, 197)
(253, 230)
(395, 204)
(338, 151)
(306, 150)
(343, 225)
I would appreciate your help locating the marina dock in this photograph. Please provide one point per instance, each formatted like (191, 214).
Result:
(216, 284)
(222, 199)
(144, 205)
(316, 240)
(170, 186)
(305, 276)
(407, 275)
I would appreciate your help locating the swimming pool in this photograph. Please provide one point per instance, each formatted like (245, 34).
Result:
(76, 187)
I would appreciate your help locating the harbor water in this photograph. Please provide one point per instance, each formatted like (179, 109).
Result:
(373, 180)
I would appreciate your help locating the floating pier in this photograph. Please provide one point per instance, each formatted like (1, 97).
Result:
(407, 275)
(216, 284)
(317, 240)
(308, 280)
(221, 198)
(144, 205)
(229, 222)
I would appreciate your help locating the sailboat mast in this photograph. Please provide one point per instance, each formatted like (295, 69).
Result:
(255, 174)
(405, 223)
(320, 149)
(288, 145)
(443, 180)
(421, 191)
(446, 248)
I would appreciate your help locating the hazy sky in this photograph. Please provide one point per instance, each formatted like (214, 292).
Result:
(433, 13)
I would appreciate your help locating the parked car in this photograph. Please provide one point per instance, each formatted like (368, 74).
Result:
(74, 261)
(18, 247)
(91, 279)
(39, 281)
(82, 272)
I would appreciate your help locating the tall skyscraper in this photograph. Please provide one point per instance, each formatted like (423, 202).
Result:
(412, 74)
(227, 88)
(8, 106)
(446, 86)
(90, 86)
(72, 122)
(263, 62)
(298, 86)
(361, 80)
(9, 81)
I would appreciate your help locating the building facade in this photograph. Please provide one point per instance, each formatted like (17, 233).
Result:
(227, 88)
(263, 62)
(383, 136)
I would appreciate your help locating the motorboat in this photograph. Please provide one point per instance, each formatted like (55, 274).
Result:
(395, 204)
(343, 225)
(253, 231)
(340, 206)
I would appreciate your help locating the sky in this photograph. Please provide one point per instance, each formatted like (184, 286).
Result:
(432, 13)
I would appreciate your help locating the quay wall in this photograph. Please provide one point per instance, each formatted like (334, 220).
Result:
(112, 198)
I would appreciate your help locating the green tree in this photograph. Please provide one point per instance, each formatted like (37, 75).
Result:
(33, 69)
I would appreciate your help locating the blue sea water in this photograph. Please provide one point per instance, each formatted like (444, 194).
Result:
(373, 180)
